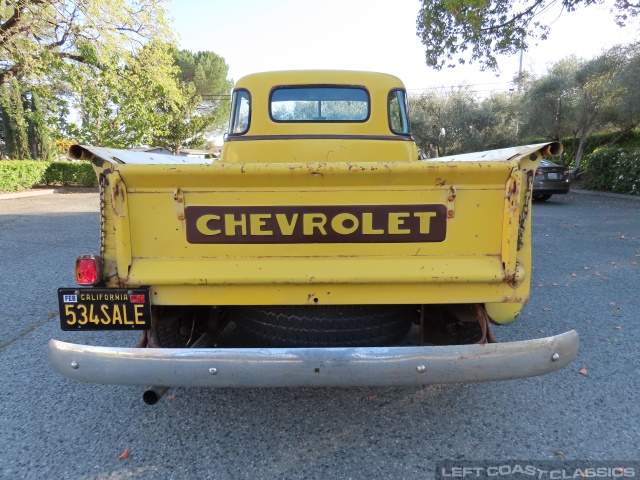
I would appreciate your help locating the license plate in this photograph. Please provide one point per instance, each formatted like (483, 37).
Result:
(552, 176)
(104, 309)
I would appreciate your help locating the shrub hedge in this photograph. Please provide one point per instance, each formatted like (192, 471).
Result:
(601, 140)
(17, 175)
(70, 173)
(21, 174)
(614, 170)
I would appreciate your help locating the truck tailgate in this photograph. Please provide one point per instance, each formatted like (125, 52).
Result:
(389, 232)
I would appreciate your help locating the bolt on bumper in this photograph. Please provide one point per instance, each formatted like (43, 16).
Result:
(313, 367)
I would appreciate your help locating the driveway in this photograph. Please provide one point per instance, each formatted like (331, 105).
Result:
(585, 277)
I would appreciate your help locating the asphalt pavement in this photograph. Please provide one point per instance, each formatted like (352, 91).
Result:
(585, 277)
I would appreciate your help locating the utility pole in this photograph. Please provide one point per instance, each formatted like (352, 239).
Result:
(519, 80)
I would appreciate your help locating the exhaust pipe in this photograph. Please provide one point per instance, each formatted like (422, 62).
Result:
(553, 149)
(78, 153)
(152, 395)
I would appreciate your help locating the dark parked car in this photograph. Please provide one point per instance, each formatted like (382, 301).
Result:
(550, 179)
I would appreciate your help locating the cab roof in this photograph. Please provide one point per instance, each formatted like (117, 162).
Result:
(319, 77)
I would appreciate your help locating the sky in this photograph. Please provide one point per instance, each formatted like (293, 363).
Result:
(373, 35)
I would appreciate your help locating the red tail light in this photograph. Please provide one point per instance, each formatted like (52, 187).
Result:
(539, 172)
(88, 269)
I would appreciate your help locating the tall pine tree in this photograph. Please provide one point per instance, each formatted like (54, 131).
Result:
(14, 123)
(39, 140)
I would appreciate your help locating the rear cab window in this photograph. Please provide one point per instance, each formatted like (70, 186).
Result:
(240, 117)
(322, 103)
(398, 116)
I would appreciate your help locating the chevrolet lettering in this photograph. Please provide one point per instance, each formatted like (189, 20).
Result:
(318, 224)
(320, 249)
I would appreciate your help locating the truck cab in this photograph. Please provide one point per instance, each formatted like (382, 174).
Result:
(319, 117)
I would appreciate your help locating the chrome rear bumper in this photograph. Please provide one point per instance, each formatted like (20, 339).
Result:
(313, 367)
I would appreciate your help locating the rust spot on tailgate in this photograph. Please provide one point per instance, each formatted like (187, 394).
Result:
(118, 198)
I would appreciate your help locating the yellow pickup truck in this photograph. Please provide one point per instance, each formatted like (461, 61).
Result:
(319, 250)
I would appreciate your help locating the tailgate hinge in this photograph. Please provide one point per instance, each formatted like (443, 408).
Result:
(451, 196)
(178, 197)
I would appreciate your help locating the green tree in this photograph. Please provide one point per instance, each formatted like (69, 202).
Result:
(207, 72)
(204, 101)
(119, 103)
(39, 138)
(14, 123)
(87, 57)
(38, 36)
(443, 122)
(623, 112)
(594, 101)
(496, 122)
(185, 128)
(550, 102)
(577, 98)
(457, 31)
